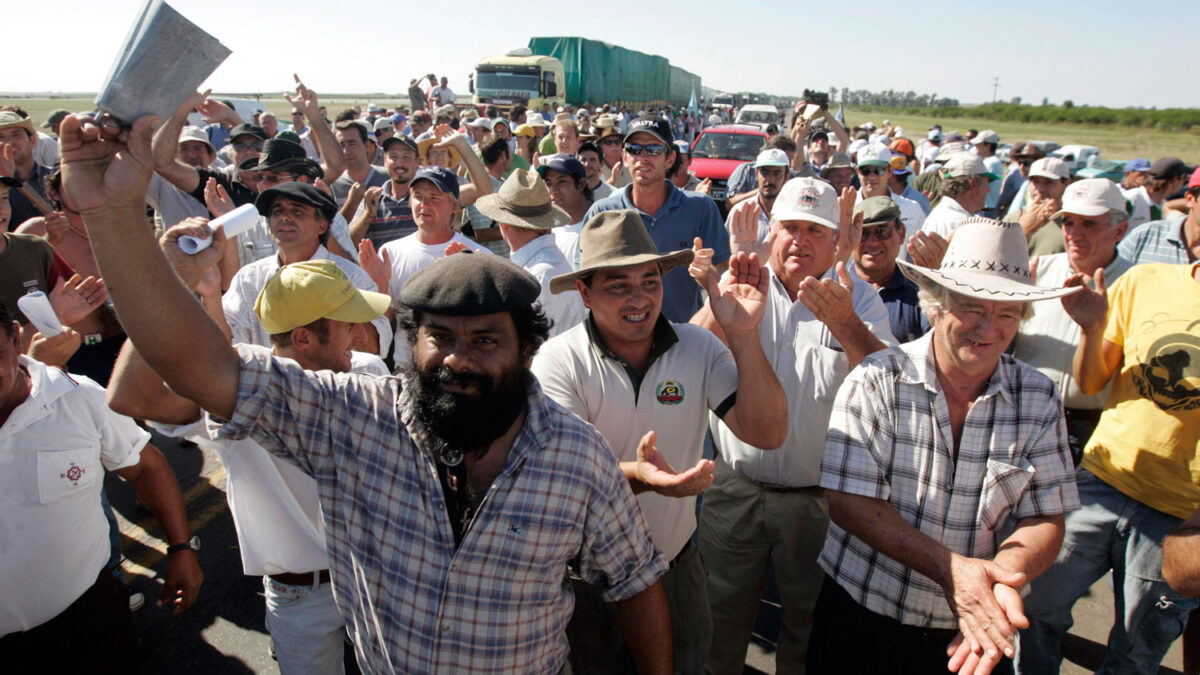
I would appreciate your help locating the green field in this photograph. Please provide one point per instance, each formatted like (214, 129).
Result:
(1115, 142)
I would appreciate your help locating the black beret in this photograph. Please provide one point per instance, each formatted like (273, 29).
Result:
(470, 284)
(297, 192)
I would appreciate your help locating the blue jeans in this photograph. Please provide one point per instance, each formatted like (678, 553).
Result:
(306, 628)
(1109, 532)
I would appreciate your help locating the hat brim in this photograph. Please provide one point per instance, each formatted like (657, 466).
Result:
(803, 215)
(1085, 211)
(875, 162)
(362, 307)
(491, 206)
(667, 261)
(423, 153)
(982, 285)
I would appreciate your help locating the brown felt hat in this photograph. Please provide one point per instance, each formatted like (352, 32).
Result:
(523, 201)
(616, 239)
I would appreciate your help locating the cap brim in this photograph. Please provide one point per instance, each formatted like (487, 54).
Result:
(1047, 175)
(491, 206)
(982, 285)
(802, 215)
(1085, 211)
(362, 307)
(874, 162)
(668, 262)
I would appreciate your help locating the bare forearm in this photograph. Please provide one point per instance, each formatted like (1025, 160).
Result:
(137, 391)
(157, 488)
(160, 315)
(646, 624)
(630, 469)
(733, 200)
(358, 226)
(480, 180)
(1181, 559)
(1089, 367)
(333, 162)
(878, 524)
(1033, 546)
(760, 415)
(856, 340)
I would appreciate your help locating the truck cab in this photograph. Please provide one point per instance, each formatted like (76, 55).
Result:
(519, 77)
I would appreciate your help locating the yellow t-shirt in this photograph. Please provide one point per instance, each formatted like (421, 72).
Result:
(1146, 443)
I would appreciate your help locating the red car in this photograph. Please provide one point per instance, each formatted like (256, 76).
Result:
(719, 150)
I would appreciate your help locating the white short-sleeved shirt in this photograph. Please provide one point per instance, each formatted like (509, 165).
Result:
(54, 450)
(274, 504)
(541, 258)
(810, 365)
(566, 239)
(1140, 205)
(1047, 340)
(945, 218)
(238, 301)
(410, 256)
(693, 375)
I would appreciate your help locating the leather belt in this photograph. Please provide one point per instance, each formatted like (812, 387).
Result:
(300, 578)
(1083, 414)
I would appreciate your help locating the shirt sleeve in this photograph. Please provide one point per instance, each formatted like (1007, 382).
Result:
(712, 230)
(556, 375)
(859, 436)
(239, 310)
(121, 439)
(722, 376)
(1119, 305)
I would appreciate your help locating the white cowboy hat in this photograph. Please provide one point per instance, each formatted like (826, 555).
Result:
(988, 260)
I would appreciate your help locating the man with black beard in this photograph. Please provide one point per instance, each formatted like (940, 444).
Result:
(422, 584)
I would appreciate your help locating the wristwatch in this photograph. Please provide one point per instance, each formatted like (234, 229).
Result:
(192, 544)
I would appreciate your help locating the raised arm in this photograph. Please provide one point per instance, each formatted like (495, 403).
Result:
(105, 177)
(1096, 359)
(333, 162)
(481, 182)
(166, 145)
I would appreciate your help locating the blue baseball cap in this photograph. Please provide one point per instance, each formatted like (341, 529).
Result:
(1139, 164)
(399, 117)
(562, 163)
(442, 178)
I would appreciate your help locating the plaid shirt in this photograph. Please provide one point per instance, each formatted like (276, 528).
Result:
(890, 439)
(412, 602)
(1159, 241)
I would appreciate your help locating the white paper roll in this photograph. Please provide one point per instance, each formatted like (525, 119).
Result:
(36, 307)
(234, 223)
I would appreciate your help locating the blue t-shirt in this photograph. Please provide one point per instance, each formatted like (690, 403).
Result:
(683, 216)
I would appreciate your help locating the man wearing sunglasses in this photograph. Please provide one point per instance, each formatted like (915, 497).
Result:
(874, 175)
(1015, 187)
(875, 262)
(673, 217)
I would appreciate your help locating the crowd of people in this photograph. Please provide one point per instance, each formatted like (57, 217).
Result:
(508, 391)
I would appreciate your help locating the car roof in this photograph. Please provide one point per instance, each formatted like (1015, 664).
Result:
(752, 129)
(760, 106)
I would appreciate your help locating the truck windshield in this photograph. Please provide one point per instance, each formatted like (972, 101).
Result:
(501, 82)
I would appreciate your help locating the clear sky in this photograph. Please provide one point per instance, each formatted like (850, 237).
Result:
(1097, 52)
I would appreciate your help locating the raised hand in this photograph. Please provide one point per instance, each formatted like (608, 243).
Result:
(306, 100)
(216, 198)
(657, 474)
(215, 112)
(926, 249)
(701, 267)
(1087, 307)
(831, 302)
(378, 267)
(616, 172)
(743, 232)
(372, 197)
(56, 227)
(849, 226)
(738, 302)
(191, 268)
(106, 171)
(705, 186)
(321, 185)
(455, 247)
(8, 166)
(75, 298)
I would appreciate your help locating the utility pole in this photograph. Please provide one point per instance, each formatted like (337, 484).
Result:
(995, 87)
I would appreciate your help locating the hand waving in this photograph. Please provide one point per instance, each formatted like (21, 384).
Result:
(657, 474)
(75, 298)
(743, 232)
(1088, 307)
(738, 303)
(378, 267)
(849, 226)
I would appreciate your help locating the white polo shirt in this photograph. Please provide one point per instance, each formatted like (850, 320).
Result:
(1047, 340)
(566, 238)
(692, 374)
(945, 217)
(810, 365)
(274, 504)
(54, 450)
(541, 258)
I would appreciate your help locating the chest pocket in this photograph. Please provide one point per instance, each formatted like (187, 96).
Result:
(63, 473)
(1003, 487)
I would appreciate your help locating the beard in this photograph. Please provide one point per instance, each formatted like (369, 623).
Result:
(468, 422)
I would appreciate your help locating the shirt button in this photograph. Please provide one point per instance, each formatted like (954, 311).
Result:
(445, 628)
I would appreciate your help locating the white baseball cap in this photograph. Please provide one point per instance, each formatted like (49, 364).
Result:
(875, 154)
(807, 199)
(772, 157)
(966, 164)
(986, 136)
(857, 145)
(1091, 197)
(1050, 167)
(935, 135)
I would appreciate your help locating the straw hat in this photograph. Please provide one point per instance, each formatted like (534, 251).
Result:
(616, 239)
(523, 201)
(987, 260)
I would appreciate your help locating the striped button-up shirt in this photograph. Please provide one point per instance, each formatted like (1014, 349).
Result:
(413, 603)
(1159, 241)
(890, 439)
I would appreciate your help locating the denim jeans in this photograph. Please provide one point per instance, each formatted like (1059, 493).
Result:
(306, 628)
(1109, 532)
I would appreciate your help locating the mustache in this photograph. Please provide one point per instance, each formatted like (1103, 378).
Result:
(445, 375)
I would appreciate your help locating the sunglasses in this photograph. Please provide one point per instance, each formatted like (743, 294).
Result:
(654, 149)
(872, 170)
(610, 142)
(243, 145)
(1025, 162)
(880, 232)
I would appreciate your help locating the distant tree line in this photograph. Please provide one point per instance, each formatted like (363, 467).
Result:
(889, 99)
(1168, 119)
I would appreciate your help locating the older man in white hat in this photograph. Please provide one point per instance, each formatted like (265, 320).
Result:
(965, 186)
(523, 208)
(948, 475)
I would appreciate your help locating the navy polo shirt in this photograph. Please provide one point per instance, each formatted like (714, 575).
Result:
(683, 216)
(907, 320)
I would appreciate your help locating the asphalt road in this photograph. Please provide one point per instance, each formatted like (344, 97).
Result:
(224, 631)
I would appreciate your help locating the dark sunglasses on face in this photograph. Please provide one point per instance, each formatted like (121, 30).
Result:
(880, 232)
(654, 150)
(872, 170)
(610, 142)
(244, 145)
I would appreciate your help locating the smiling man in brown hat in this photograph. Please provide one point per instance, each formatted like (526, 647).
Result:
(526, 216)
(638, 377)
(948, 473)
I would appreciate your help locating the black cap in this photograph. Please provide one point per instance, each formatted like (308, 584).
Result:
(562, 163)
(443, 178)
(247, 128)
(412, 145)
(297, 192)
(589, 145)
(280, 154)
(655, 126)
(819, 133)
(1168, 167)
(470, 284)
(7, 181)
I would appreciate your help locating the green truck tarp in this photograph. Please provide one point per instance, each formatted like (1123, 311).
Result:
(599, 72)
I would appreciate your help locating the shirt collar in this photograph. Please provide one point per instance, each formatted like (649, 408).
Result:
(922, 370)
(1175, 231)
(898, 280)
(526, 253)
(664, 338)
(674, 195)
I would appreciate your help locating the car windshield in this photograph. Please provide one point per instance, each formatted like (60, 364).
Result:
(742, 147)
(758, 116)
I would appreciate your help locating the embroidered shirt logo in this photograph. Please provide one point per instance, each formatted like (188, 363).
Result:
(73, 474)
(669, 392)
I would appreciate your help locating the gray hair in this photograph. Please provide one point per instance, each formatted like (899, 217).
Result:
(934, 298)
(1117, 216)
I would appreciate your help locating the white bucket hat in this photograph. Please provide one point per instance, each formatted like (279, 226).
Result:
(987, 260)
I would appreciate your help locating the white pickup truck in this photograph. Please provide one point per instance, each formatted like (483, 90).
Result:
(1078, 156)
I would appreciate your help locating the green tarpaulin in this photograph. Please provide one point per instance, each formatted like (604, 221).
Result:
(599, 72)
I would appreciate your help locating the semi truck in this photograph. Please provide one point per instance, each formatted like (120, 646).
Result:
(577, 70)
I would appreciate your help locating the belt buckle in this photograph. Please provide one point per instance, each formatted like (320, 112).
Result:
(92, 339)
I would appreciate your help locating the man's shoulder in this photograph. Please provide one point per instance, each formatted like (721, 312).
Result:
(613, 202)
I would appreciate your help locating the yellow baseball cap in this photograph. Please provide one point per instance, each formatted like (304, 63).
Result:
(300, 293)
